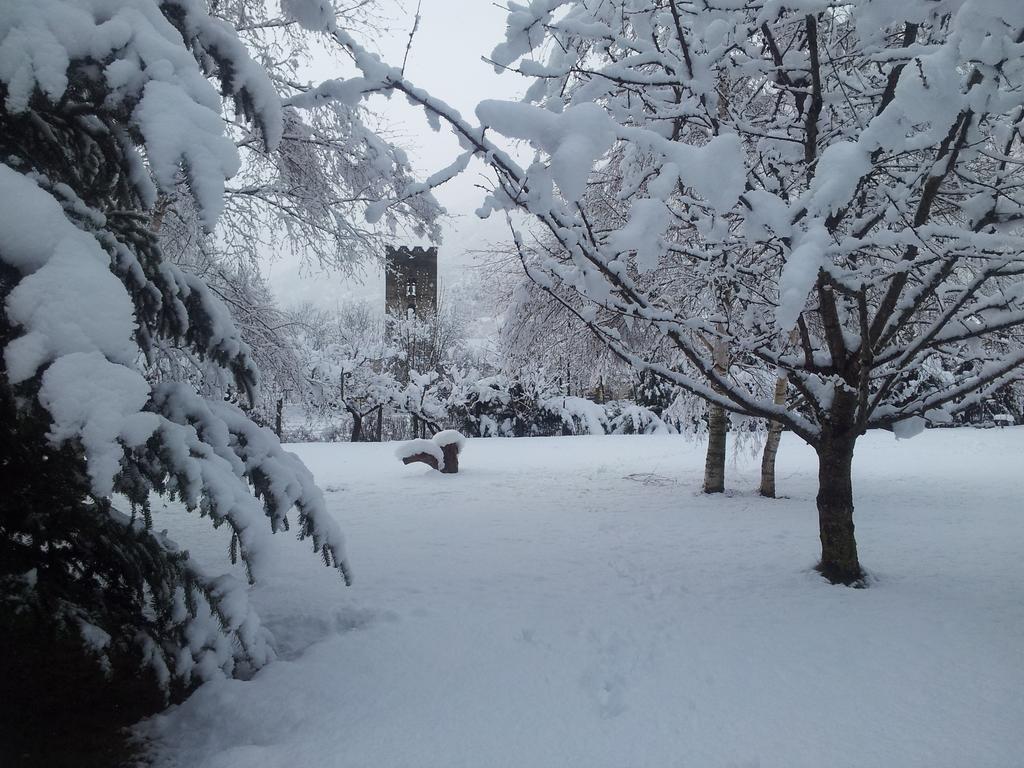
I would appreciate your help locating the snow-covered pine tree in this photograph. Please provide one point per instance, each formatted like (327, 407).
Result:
(653, 392)
(852, 169)
(105, 104)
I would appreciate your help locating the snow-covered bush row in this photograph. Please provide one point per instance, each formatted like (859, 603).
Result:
(342, 397)
(500, 406)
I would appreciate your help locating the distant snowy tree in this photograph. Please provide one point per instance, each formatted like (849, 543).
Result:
(851, 170)
(106, 106)
(350, 367)
(366, 366)
(653, 392)
(267, 330)
(430, 341)
(545, 323)
(537, 330)
(506, 406)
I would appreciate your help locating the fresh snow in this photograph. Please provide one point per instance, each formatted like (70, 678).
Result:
(448, 436)
(415, 447)
(577, 602)
(574, 139)
(101, 403)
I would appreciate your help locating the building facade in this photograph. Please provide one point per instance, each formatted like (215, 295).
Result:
(410, 281)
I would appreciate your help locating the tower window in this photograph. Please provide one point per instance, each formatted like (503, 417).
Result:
(410, 288)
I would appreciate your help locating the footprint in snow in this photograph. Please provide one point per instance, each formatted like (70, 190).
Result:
(607, 690)
(604, 679)
(649, 478)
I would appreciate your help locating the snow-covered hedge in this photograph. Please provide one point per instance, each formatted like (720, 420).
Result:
(500, 406)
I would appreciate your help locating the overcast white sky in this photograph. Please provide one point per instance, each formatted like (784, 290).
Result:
(445, 60)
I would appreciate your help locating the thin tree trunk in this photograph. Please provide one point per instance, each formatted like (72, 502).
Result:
(278, 418)
(771, 443)
(714, 462)
(380, 423)
(718, 427)
(718, 420)
(839, 563)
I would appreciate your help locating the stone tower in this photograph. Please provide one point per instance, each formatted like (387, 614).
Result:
(410, 281)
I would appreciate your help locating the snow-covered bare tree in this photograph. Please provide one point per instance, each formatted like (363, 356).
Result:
(850, 170)
(349, 367)
(308, 194)
(105, 106)
(544, 324)
(538, 330)
(429, 341)
(364, 366)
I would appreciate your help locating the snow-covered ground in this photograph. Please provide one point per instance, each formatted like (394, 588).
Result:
(576, 602)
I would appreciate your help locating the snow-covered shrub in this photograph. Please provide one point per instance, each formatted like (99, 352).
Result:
(578, 416)
(497, 406)
(626, 418)
(104, 106)
(653, 392)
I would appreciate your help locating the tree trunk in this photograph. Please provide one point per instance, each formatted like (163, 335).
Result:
(714, 462)
(380, 423)
(839, 563)
(278, 418)
(771, 443)
(357, 427)
(718, 427)
(451, 458)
